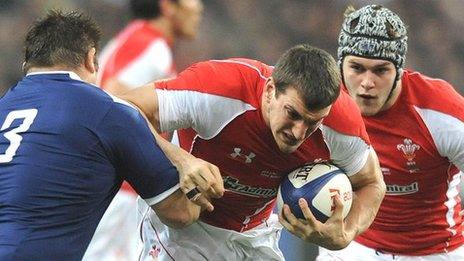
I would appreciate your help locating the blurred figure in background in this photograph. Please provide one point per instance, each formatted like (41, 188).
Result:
(416, 125)
(139, 54)
(142, 52)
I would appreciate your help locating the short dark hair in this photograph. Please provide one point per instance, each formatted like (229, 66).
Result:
(60, 39)
(312, 72)
(145, 9)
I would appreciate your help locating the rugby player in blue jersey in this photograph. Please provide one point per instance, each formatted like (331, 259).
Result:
(66, 146)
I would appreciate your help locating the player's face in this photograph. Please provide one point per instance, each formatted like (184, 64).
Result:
(187, 18)
(290, 121)
(369, 82)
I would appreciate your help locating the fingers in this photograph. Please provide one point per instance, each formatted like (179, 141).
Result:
(338, 211)
(204, 203)
(203, 175)
(288, 215)
(292, 223)
(201, 180)
(217, 187)
(187, 184)
(283, 220)
(310, 218)
(196, 197)
(310, 229)
(193, 194)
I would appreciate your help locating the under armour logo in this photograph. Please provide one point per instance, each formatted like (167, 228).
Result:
(237, 153)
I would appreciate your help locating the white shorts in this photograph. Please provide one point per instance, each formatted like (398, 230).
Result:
(116, 236)
(357, 252)
(201, 241)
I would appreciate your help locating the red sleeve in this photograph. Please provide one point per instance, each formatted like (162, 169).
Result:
(345, 117)
(432, 93)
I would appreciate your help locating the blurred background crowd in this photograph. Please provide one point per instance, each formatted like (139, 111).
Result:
(260, 29)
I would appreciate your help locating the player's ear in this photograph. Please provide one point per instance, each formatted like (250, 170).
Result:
(269, 88)
(23, 68)
(90, 60)
(166, 7)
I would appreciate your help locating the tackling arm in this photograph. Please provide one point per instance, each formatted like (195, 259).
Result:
(176, 210)
(116, 87)
(194, 172)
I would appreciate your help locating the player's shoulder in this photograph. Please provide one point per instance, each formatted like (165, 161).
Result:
(65, 88)
(102, 108)
(89, 99)
(241, 79)
(247, 65)
(246, 68)
(345, 116)
(87, 94)
(435, 94)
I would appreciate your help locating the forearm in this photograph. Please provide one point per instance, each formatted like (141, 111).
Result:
(366, 203)
(175, 154)
(177, 211)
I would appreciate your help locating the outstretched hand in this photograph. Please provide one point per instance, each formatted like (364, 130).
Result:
(199, 176)
(330, 235)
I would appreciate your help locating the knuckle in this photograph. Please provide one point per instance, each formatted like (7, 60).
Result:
(209, 183)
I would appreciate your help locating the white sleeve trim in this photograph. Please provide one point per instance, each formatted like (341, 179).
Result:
(349, 153)
(447, 134)
(154, 63)
(160, 197)
(206, 113)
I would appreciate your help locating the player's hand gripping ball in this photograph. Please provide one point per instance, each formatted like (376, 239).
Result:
(318, 184)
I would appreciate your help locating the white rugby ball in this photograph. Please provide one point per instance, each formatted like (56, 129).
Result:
(318, 184)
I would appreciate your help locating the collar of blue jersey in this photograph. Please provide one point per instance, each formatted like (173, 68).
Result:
(72, 75)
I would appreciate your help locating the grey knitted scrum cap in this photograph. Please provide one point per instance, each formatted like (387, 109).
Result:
(374, 32)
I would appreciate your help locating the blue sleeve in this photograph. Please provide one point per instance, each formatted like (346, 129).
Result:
(133, 150)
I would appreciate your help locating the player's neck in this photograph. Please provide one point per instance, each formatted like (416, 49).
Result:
(82, 74)
(50, 69)
(164, 26)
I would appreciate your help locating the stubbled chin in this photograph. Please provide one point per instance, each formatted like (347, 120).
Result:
(367, 108)
(287, 149)
(368, 111)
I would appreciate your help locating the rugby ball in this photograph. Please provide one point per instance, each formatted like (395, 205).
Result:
(318, 184)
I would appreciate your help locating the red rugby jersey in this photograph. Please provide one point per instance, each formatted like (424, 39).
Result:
(139, 54)
(420, 144)
(220, 102)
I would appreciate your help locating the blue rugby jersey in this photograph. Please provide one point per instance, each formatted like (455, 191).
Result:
(65, 148)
